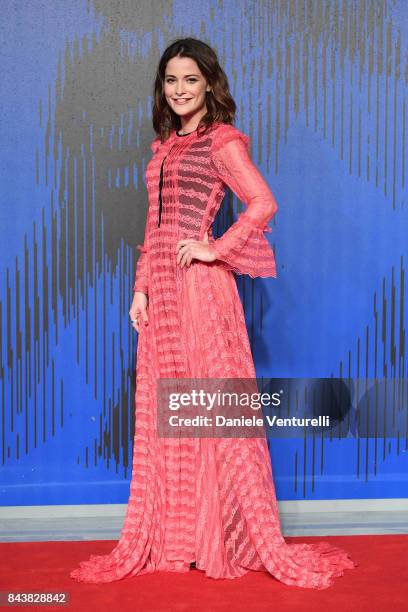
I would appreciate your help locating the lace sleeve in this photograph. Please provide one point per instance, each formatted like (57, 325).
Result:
(142, 265)
(142, 277)
(244, 247)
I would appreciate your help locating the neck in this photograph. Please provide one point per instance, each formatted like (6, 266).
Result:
(190, 124)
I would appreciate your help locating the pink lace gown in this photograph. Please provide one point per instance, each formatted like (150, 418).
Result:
(208, 501)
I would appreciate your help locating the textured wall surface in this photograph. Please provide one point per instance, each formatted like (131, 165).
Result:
(321, 89)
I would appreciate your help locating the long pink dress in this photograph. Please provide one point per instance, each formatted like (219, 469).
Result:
(203, 500)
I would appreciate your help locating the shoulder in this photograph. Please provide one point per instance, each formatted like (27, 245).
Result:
(224, 133)
(156, 143)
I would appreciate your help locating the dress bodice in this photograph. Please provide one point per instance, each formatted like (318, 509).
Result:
(184, 190)
(186, 181)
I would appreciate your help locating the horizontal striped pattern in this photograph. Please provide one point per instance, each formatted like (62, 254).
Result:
(211, 501)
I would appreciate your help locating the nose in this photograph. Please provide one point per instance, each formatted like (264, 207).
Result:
(179, 89)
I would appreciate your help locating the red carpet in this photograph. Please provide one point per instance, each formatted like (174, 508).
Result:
(379, 583)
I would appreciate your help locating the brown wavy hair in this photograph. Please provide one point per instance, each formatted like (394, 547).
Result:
(219, 102)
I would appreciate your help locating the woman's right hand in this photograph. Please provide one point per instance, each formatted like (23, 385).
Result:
(138, 311)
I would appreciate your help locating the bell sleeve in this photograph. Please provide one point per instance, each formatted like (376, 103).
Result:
(244, 247)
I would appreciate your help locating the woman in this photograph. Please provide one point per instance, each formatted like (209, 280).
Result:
(201, 501)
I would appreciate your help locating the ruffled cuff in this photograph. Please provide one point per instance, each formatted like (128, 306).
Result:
(142, 277)
(245, 249)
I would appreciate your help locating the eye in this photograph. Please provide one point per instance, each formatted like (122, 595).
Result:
(192, 80)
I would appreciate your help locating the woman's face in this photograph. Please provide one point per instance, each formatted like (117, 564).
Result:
(184, 81)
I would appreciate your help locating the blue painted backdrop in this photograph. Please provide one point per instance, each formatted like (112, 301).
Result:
(321, 89)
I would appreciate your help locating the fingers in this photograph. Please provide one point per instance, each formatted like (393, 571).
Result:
(190, 249)
(184, 242)
(139, 319)
(186, 259)
(185, 253)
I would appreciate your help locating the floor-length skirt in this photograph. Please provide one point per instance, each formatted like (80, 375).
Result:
(205, 500)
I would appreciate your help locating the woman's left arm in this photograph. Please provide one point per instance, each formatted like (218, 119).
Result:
(244, 247)
(141, 282)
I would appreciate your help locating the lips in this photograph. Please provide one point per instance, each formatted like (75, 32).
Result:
(182, 100)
